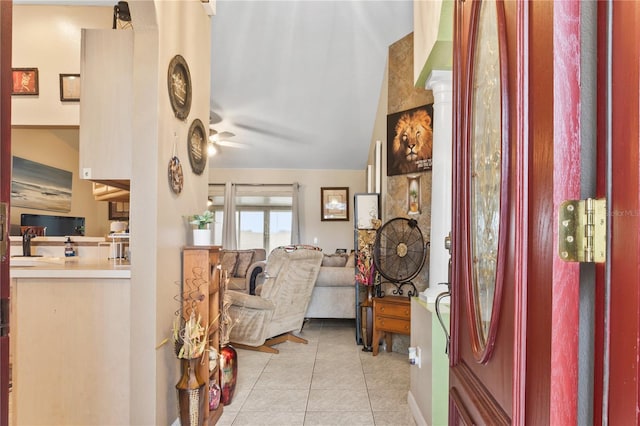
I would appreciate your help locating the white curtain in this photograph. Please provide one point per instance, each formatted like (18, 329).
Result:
(295, 214)
(229, 240)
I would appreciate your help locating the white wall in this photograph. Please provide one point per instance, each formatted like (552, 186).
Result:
(44, 129)
(48, 38)
(162, 30)
(330, 235)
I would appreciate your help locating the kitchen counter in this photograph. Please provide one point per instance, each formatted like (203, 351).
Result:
(72, 267)
(70, 337)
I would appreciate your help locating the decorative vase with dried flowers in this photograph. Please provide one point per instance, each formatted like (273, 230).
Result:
(190, 341)
(228, 356)
(365, 276)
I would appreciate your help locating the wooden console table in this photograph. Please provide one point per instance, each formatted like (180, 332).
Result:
(201, 278)
(391, 314)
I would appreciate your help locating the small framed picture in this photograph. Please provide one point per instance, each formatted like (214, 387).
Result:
(118, 210)
(69, 87)
(25, 81)
(334, 204)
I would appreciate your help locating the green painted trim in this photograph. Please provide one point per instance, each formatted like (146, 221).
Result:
(439, 375)
(445, 32)
(441, 56)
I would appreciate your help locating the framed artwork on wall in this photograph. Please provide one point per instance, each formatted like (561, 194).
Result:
(24, 81)
(69, 87)
(334, 203)
(39, 186)
(410, 141)
(366, 208)
(118, 210)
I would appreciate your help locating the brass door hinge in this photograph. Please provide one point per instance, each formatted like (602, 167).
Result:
(582, 230)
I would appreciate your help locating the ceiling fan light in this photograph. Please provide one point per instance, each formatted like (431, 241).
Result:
(212, 149)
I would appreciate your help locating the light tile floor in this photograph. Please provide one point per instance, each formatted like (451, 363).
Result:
(329, 381)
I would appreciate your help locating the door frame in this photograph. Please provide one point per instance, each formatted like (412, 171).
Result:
(617, 393)
(6, 16)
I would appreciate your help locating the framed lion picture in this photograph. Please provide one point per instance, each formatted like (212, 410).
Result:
(410, 141)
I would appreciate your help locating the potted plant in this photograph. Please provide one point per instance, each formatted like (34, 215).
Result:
(413, 202)
(201, 231)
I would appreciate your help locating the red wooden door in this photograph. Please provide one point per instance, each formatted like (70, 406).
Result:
(526, 372)
(5, 197)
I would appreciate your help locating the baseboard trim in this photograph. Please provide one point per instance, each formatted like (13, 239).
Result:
(415, 410)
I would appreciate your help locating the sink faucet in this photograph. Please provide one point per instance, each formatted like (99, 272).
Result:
(26, 242)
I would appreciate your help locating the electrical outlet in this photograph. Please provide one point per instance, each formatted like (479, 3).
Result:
(415, 356)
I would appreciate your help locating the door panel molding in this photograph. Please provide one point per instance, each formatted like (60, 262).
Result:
(458, 412)
(484, 406)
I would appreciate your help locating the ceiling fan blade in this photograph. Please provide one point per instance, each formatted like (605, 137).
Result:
(226, 135)
(231, 144)
(214, 117)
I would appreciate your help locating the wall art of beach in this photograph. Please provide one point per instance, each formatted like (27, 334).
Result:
(38, 186)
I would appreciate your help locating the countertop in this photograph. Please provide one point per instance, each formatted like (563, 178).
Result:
(71, 267)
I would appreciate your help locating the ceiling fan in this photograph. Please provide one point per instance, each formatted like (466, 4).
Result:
(262, 129)
(219, 139)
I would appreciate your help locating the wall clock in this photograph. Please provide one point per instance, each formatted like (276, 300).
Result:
(197, 146)
(179, 85)
(487, 160)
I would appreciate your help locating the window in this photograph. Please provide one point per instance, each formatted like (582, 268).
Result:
(263, 215)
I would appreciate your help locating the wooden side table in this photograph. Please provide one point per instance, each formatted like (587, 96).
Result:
(391, 314)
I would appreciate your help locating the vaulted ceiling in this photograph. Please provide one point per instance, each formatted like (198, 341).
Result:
(298, 82)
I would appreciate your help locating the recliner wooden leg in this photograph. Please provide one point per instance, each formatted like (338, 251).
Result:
(262, 348)
(285, 337)
(266, 347)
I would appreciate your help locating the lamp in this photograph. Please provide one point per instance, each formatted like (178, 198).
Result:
(121, 14)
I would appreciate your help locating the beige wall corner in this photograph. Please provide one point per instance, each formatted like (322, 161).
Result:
(163, 30)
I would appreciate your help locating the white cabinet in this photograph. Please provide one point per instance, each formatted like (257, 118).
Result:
(106, 101)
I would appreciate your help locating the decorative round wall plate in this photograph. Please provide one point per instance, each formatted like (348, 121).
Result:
(197, 146)
(179, 84)
(176, 178)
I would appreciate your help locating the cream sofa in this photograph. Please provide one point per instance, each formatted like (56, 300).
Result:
(334, 293)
